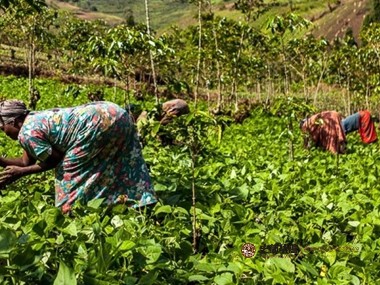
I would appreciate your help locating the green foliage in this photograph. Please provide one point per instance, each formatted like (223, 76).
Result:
(289, 23)
(234, 58)
(247, 191)
(35, 4)
(374, 14)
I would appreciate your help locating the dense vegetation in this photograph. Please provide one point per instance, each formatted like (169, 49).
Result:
(224, 58)
(374, 15)
(220, 184)
(247, 189)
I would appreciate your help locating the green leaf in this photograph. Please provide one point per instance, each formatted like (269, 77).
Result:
(153, 253)
(160, 187)
(50, 216)
(60, 239)
(95, 203)
(163, 209)
(149, 279)
(355, 280)
(234, 267)
(354, 223)
(193, 278)
(224, 279)
(284, 264)
(89, 280)
(206, 267)
(331, 257)
(127, 245)
(181, 210)
(338, 269)
(130, 280)
(244, 191)
(71, 229)
(117, 222)
(7, 241)
(66, 275)
(155, 129)
(308, 267)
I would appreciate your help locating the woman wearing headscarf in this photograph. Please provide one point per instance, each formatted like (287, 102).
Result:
(173, 108)
(93, 148)
(326, 131)
(167, 111)
(362, 122)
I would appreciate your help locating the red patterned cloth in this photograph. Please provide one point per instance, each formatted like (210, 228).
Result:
(367, 129)
(326, 131)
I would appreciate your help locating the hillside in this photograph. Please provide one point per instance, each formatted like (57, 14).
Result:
(84, 14)
(348, 15)
(162, 13)
(330, 20)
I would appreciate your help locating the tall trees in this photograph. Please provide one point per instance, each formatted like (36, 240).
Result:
(218, 57)
(150, 52)
(30, 26)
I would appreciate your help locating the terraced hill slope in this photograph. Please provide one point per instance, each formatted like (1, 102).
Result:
(330, 20)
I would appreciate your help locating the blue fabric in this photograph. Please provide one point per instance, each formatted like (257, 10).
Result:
(351, 123)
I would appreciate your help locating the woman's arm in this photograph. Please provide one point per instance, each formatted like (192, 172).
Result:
(14, 172)
(25, 160)
(50, 163)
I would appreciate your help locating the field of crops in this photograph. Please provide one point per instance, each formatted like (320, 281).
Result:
(248, 190)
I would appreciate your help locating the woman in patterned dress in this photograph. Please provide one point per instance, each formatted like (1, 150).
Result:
(325, 130)
(93, 147)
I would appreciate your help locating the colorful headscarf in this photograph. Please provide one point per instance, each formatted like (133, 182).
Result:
(10, 110)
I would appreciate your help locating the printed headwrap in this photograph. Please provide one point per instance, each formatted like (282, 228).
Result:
(10, 110)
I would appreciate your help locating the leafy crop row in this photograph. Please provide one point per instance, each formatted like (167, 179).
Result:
(247, 189)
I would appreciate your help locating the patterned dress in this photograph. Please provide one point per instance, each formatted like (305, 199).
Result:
(367, 128)
(326, 131)
(102, 154)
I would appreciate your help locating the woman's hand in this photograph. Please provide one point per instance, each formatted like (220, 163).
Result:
(10, 175)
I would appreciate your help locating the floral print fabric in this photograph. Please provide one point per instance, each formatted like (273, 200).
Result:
(326, 131)
(367, 128)
(102, 154)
